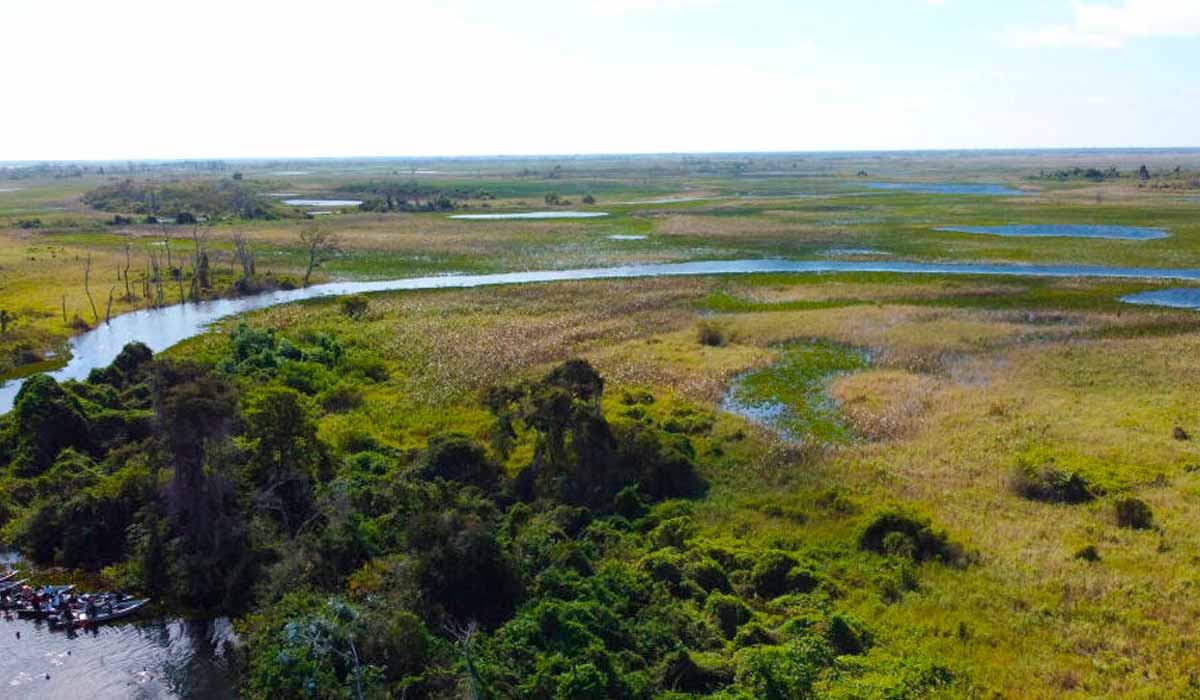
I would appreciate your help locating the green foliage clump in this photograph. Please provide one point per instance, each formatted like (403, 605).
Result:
(354, 306)
(710, 334)
(1048, 483)
(729, 612)
(908, 535)
(183, 200)
(46, 420)
(1133, 513)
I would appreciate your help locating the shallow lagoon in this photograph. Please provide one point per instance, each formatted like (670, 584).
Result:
(1126, 233)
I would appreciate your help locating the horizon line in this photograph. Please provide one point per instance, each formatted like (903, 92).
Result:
(615, 154)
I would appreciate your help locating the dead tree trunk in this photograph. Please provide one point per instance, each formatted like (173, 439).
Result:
(108, 310)
(87, 272)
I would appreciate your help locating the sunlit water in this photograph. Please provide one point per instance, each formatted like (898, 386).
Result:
(1180, 298)
(533, 215)
(1128, 233)
(137, 659)
(946, 188)
(323, 202)
(161, 328)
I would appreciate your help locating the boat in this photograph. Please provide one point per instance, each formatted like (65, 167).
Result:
(123, 609)
(13, 585)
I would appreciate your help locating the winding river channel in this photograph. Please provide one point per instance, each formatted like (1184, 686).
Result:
(161, 328)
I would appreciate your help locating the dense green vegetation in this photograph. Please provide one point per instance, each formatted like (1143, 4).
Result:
(376, 571)
(185, 200)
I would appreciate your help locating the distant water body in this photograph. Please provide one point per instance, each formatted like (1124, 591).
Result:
(533, 215)
(946, 188)
(323, 202)
(161, 328)
(1126, 233)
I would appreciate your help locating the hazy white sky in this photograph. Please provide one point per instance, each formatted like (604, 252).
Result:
(231, 78)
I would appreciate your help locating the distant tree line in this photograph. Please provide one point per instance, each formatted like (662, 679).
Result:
(410, 195)
(184, 200)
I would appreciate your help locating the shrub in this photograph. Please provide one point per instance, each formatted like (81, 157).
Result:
(674, 532)
(1049, 484)
(710, 334)
(777, 573)
(752, 634)
(456, 457)
(354, 306)
(1088, 553)
(729, 612)
(847, 635)
(1134, 513)
(681, 671)
(893, 532)
(708, 574)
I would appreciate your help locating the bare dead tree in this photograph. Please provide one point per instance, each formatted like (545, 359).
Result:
(87, 273)
(64, 308)
(128, 291)
(321, 246)
(199, 262)
(108, 310)
(465, 636)
(245, 256)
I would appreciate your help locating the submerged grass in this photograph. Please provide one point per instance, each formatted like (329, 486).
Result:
(791, 394)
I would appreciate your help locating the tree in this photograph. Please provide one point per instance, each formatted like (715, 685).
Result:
(553, 198)
(87, 272)
(321, 246)
(47, 421)
(245, 257)
(5, 319)
(285, 452)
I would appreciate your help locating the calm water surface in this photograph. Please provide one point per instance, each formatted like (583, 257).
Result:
(139, 659)
(946, 188)
(533, 215)
(161, 328)
(1128, 233)
(1179, 298)
(323, 202)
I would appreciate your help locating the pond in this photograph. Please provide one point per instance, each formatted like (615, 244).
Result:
(161, 328)
(323, 202)
(791, 396)
(840, 252)
(1178, 298)
(626, 237)
(169, 658)
(669, 200)
(1127, 233)
(946, 188)
(533, 215)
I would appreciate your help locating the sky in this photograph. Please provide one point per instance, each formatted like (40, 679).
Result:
(267, 78)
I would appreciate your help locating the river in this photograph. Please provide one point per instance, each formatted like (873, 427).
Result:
(161, 328)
